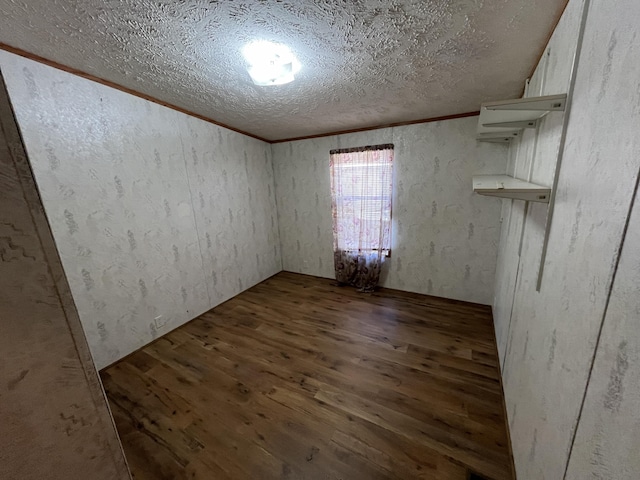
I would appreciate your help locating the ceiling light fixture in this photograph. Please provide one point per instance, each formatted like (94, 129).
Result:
(270, 63)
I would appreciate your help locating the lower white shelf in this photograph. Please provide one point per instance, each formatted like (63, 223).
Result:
(506, 186)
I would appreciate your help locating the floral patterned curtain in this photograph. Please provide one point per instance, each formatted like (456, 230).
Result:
(361, 190)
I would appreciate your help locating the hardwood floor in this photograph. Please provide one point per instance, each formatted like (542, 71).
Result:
(299, 379)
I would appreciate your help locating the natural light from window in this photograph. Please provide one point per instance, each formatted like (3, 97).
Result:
(361, 197)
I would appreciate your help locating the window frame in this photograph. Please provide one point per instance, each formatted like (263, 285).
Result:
(386, 252)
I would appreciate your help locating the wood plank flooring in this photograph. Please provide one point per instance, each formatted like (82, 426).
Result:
(299, 379)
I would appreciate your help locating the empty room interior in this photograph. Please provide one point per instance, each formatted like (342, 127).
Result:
(322, 239)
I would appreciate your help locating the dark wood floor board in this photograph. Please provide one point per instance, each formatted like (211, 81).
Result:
(431, 318)
(439, 439)
(297, 378)
(151, 461)
(416, 307)
(390, 451)
(215, 425)
(295, 441)
(442, 335)
(460, 428)
(268, 351)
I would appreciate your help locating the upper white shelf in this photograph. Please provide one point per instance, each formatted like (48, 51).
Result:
(506, 186)
(504, 120)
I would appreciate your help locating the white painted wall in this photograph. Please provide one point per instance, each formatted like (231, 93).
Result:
(548, 339)
(154, 212)
(444, 238)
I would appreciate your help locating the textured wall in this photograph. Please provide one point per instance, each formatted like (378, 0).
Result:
(547, 339)
(533, 158)
(608, 437)
(231, 179)
(444, 238)
(54, 416)
(154, 212)
(363, 62)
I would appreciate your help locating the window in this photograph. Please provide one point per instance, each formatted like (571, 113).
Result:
(361, 189)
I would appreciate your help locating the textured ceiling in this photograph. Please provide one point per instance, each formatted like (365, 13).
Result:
(364, 62)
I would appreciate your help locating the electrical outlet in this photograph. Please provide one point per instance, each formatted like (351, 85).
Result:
(159, 321)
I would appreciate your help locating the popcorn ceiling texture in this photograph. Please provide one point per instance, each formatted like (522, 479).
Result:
(365, 63)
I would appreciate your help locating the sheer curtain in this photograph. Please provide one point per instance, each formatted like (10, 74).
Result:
(361, 190)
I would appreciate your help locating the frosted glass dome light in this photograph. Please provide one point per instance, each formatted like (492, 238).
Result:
(270, 63)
